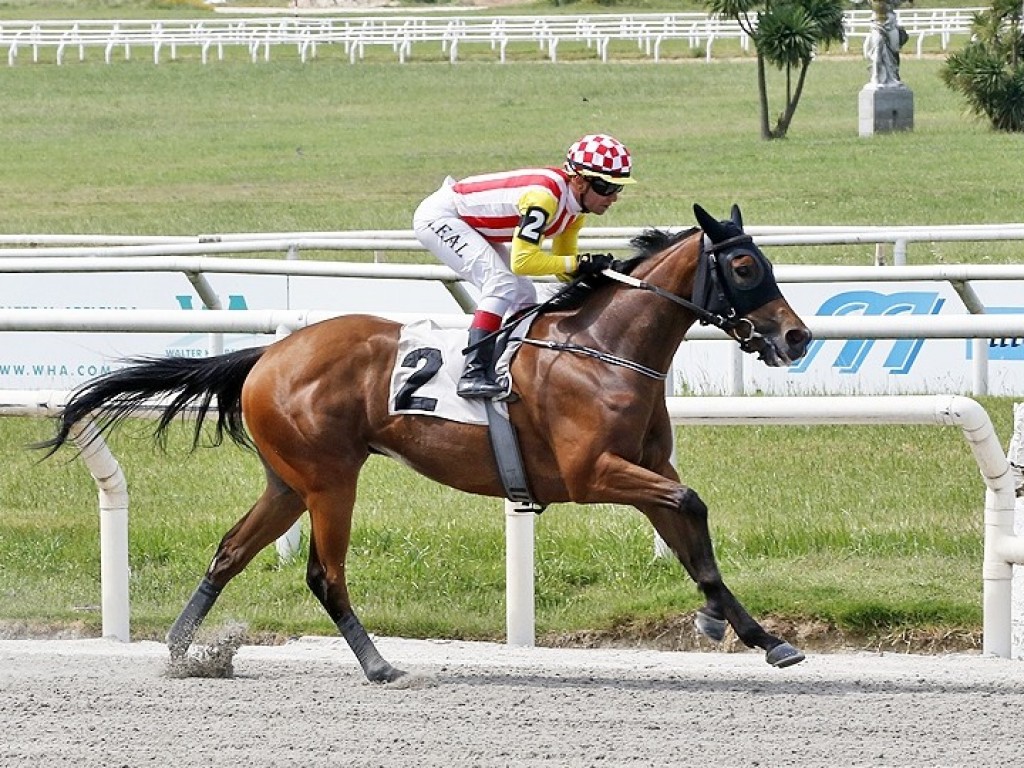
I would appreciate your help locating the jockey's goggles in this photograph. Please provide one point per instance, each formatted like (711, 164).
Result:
(603, 187)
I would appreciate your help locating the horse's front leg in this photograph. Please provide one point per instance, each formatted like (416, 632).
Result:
(680, 517)
(686, 532)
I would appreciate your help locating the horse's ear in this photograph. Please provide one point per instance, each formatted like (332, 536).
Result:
(712, 228)
(736, 216)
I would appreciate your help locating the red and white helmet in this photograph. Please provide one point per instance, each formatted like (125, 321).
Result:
(598, 154)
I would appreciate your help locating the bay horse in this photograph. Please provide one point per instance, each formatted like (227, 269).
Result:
(588, 407)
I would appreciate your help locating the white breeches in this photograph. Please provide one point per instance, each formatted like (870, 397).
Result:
(438, 227)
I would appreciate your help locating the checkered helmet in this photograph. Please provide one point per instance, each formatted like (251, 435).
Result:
(598, 154)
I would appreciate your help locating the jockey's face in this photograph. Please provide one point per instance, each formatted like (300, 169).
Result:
(595, 195)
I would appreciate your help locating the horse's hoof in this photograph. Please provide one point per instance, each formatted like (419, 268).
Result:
(385, 674)
(710, 627)
(784, 655)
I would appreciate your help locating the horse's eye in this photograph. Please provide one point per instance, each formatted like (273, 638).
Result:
(744, 271)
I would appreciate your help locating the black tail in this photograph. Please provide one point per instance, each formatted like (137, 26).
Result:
(111, 398)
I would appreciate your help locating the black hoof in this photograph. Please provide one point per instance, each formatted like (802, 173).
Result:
(710, 627)
(177, 652)
(784, 655)
(385, 674)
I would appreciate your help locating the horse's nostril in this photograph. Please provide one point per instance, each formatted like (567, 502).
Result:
(798, 340)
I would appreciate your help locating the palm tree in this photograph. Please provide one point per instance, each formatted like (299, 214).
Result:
(989, 71)
(786, 34)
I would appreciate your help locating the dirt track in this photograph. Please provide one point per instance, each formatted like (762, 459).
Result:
(100, 703)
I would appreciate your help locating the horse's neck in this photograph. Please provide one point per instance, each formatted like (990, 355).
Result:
(642, 326)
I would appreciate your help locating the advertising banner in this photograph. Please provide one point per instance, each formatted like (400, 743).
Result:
(866, 366)
(63, 360)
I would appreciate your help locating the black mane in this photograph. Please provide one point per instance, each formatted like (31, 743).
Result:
(645, 245)
(652, 241)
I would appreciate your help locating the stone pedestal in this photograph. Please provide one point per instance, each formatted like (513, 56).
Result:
(886, 108)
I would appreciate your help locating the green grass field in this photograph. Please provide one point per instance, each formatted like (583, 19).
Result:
(184, 148)
(874, 531)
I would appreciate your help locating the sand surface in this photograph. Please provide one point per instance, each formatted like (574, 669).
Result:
(102, 703)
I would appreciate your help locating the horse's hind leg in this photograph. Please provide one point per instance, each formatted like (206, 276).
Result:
(331, 525)
(337, 604)
(686, 532)
(270, 517)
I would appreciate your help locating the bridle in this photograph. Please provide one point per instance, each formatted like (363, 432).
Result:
(717, 300)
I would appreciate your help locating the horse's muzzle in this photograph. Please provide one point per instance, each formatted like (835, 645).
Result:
(782, 349)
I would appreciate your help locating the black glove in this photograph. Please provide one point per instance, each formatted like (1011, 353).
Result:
(594, 263)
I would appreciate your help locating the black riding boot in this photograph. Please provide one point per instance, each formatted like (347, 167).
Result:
(477, 380)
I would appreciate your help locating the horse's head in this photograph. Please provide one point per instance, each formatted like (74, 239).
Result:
(735, 289)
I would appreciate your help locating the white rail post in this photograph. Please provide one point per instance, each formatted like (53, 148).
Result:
(899, 252)
(1015, 455)
(113, 496)
(737, 386)
(210, 300)
(520, 621)
(979, 347)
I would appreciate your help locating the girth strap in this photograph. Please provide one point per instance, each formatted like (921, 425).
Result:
(505, 445)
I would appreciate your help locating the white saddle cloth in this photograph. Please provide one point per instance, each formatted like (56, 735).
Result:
(428, 366)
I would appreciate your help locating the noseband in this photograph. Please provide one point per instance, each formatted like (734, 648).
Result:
(717, 299)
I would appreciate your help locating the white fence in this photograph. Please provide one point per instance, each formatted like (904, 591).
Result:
(645, 32)
(39, 254)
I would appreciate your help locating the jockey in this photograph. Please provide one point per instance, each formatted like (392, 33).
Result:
(489, 229)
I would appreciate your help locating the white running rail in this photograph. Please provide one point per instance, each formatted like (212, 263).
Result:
(305, 36)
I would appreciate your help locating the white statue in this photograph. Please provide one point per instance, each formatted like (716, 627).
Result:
(884, 43)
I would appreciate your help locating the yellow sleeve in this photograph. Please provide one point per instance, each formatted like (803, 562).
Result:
(567, 243)
(536, 207)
